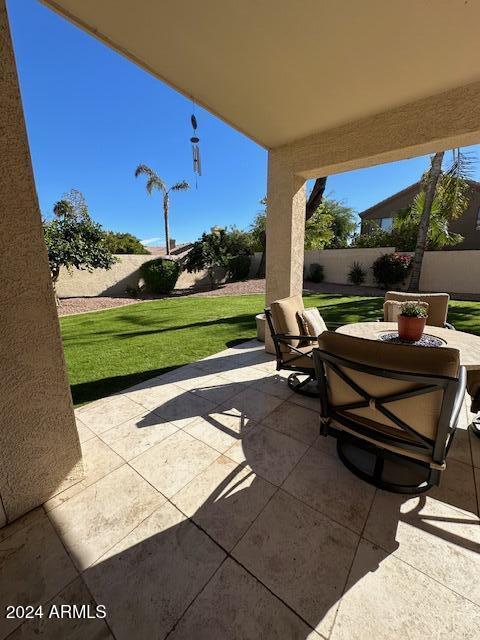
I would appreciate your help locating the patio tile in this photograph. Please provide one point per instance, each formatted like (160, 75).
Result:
(84, 433)
(224, 500)
(91, 522)
(460, 449)
(254, 404)
(222, 361)
(172, 463)
(327, 444)
(387, 598)
(269, 454)
(135, 436)
(20, 523)
(431, 536)
(457, 486)
(153, 394)
(325, 484)
(298, 422)
(216, 389)
(301, 555)
(184, 408)
(34, 566)
(475, 447)
(235, 606)
(275, 385)
(246, 374)
(98, 461)
(477, 482)
(60, 628)
(220, 430)
(150, 577)
(305, 401)
(106, 415)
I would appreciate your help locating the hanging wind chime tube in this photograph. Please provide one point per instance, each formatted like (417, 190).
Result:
(197, 165)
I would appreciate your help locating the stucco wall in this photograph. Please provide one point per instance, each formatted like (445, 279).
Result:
(39, 446)
(114, 282)
(338, 262)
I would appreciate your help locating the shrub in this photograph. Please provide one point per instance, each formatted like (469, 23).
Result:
(357, 274)
(316, 272)
(390, 269)
(238, 267)
(160, 275)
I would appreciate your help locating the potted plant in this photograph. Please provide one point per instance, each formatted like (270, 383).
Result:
(411, 321)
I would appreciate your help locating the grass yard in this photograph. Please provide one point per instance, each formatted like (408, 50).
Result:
(107, 351)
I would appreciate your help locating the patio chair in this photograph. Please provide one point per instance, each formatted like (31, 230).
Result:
(293, 341)
(473, 388)
(393, 408)
(437, 305)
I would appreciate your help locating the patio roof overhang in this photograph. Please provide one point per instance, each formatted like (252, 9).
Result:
(282, 70)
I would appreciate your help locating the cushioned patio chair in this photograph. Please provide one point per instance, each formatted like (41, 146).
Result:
(437, 305)
(393, 408)
(294, 332)
(473, 388)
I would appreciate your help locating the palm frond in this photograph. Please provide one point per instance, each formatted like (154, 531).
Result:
(180, 186)
(142, 169)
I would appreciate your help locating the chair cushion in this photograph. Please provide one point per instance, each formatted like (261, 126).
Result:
(285, 318)
(392, 309)
(421, 412)
(437, 304)
(473, 388)
(312, 322)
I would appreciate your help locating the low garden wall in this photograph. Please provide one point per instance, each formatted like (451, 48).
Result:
(115, 281)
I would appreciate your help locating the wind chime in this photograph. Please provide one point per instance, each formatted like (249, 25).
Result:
(197, 165)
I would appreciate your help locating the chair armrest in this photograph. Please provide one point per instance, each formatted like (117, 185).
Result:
(287, 336)
(449, 326)
(459, 397)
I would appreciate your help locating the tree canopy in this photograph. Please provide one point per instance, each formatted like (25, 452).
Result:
(123, 243)
(73, 239)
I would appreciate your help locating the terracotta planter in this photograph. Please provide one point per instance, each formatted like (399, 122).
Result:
(411, 328)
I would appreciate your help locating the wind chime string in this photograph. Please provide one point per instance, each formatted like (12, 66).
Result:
(197, 164)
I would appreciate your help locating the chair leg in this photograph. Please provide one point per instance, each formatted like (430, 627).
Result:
(305, 387)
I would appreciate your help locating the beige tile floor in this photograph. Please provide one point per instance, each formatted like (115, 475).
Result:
(211, 509)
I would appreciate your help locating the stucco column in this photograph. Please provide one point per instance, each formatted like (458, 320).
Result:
(39, 447)
(286, 200)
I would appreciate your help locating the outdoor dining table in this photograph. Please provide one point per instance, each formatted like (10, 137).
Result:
(467, 344)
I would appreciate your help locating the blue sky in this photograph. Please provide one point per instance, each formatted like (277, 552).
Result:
(92, 117)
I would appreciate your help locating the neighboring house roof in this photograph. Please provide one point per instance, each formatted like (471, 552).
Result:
(414, 188)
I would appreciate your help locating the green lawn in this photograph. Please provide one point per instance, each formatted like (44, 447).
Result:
(110, 350)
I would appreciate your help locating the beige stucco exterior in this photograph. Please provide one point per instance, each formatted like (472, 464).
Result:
(124, 273)
(39, 447)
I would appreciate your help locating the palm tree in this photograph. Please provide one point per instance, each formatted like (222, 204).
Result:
(155, 182)
(444, 196)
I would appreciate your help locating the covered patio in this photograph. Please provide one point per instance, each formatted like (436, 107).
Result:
(211, 508)
(203, 503)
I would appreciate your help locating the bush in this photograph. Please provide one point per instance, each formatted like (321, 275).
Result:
(160, 275)
(357, 274)
(390, 269)
(316, 273)
(238, 267)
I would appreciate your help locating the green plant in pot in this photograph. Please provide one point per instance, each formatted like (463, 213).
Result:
(412, 320)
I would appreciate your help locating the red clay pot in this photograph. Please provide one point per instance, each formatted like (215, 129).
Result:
(410, 328)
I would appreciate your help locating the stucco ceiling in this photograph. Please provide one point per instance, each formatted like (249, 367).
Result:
(279, 70)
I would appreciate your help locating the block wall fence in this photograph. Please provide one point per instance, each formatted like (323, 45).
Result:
(451, 271)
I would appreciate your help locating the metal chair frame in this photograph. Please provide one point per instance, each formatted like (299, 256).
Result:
(288, 363)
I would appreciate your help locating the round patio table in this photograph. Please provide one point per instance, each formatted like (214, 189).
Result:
(355, 457)
(467, 344)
